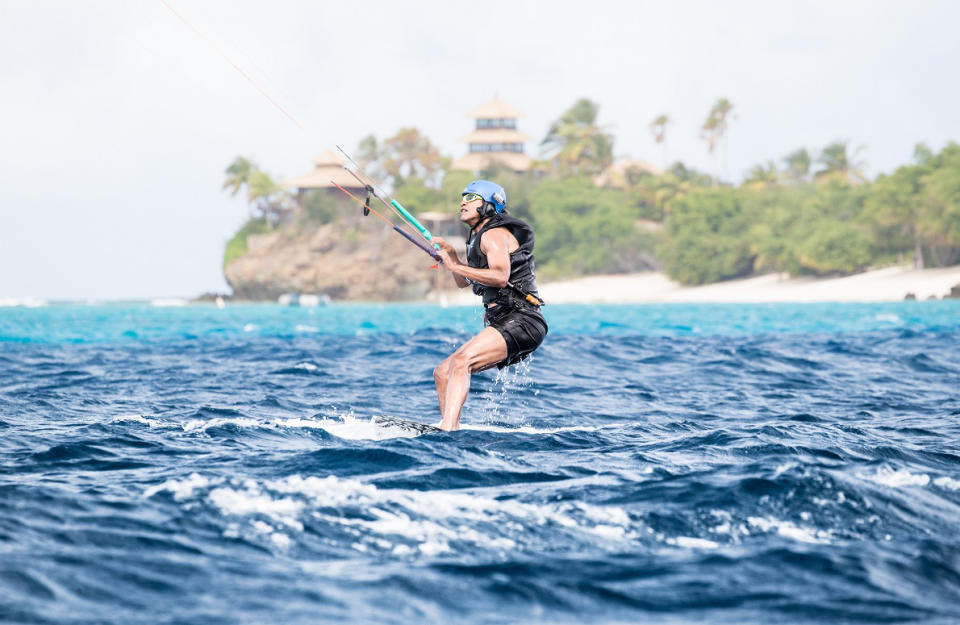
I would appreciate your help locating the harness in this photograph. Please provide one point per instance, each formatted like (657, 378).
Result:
(521, 290)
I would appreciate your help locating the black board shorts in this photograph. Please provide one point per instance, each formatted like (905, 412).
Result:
(522, 328)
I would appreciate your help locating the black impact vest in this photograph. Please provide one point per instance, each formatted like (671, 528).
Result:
(522, 268)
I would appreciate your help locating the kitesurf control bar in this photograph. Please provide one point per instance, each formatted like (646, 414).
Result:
(413, 222)
(404, 213)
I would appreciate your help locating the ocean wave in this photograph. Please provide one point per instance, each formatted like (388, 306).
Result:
(717, 464)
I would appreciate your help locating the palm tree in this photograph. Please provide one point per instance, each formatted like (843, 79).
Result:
(238, 174)
(576, 143)
(263, 194)
(838, 164)
(659, 129)
(798, 165)
(708, 132)
(714, 129)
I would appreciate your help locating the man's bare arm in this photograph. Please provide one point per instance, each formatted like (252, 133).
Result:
(496, 244)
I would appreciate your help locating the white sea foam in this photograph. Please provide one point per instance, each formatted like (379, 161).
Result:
(887, 476)
(202, 424)
(788, 530)
(783, 468)
(346, 426)
(306, 366)
(526, 429)
(278, 538)
(182, 489)
(298, 422)
(888, 317)
(351, 427)
(692, 543)
(946, 482)
(305, 328)
(136, 418)
(250, 327)
(251, 500)
(398, 520)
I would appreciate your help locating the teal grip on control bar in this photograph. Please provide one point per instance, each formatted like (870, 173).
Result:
(413, 221)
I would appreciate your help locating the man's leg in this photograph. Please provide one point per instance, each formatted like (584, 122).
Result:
(481, 352)
(440, 380)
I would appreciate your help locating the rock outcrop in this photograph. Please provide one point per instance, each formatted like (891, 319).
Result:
(355, 260)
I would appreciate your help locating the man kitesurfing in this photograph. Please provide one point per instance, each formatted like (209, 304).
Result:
(500, 268)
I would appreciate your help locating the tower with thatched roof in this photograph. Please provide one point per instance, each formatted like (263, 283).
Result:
(495, 139)
(327, 169)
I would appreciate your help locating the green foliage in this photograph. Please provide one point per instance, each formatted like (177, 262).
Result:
(783, 220)
(322, 207)
(417, 197)
(706, 238)
(833, 246)
(922, 154)
(762, 176)
(265, 197)
(237, 174)
(775, 216)
(939, 220)
(917, 208)
(582, 229)
(714, 129)
(839, 164)
(576, 144)
(407, 154)
(798, 166)
(836, 225)
(237, 246)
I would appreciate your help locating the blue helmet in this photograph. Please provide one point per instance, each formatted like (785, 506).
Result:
(492, 194)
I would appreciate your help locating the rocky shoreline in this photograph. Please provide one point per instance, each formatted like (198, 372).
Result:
(355, 261)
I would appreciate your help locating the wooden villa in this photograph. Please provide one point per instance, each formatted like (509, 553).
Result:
(495, 139)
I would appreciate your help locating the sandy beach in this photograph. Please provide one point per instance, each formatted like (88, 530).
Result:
(878, 285)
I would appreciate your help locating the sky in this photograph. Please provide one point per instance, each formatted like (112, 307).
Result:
(117, 120)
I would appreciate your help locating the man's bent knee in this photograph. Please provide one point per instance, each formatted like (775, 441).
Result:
(460, 364)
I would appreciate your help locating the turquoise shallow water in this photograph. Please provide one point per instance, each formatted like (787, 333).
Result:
(78, 323)
(675, 463)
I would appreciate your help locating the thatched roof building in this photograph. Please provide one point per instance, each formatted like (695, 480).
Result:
(326, 168)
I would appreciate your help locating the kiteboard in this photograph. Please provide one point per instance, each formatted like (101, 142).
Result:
(415, 427)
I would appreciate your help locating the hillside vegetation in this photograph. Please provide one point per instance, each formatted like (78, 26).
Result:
(812, 215)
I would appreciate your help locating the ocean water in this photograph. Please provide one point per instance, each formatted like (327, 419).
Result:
(650, 464)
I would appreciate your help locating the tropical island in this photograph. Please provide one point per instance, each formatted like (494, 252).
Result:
(805, 215)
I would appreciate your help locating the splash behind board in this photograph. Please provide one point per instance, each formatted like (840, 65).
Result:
(405, 425)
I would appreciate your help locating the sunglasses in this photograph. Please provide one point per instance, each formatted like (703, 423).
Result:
(469, 197)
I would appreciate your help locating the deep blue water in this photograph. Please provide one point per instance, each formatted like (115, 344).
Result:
(675, 464)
